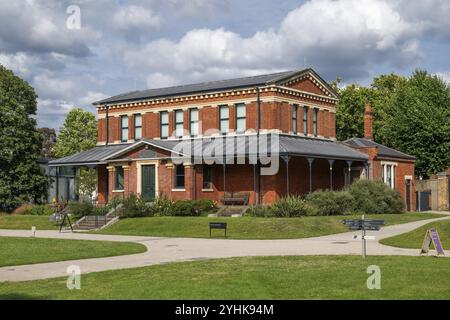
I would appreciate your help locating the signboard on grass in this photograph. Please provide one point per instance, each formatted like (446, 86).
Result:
(432, 236)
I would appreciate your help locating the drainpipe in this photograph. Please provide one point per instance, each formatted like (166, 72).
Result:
(257, 147)
(107, 125)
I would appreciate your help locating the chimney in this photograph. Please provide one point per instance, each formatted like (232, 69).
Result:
(368, 134)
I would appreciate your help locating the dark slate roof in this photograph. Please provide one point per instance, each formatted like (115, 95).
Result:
(383, 151)
(94, 155)
(260, 80)
(288, 144)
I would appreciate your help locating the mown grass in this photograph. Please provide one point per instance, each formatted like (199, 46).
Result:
(414, 238)
(248, 227)
(283, 277)
(19, 251)
(13, 221)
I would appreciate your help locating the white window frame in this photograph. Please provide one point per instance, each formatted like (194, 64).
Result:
(390, 167)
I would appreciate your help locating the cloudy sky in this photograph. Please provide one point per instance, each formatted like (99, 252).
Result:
(123, 45)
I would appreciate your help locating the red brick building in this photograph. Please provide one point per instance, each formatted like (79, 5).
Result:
(208, 139)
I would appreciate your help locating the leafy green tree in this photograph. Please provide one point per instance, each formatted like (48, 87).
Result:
(79, 133)
(21, 179)
(350, 111)
(417, 121)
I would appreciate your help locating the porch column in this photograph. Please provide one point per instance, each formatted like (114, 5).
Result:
(286, 159)
(126, 180)
(111, 171)
(349, 163)
(57, 184)
(189, 179)
(310, 161)
(330, 161)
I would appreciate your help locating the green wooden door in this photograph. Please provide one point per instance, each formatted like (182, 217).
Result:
(148, 182)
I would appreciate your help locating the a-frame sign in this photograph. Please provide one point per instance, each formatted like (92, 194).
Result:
(432, 236)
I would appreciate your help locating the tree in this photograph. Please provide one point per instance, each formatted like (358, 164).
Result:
(79, 133)
(48, 141)
(350, 111)
(411, 115)
(417, 122)
(21, 179)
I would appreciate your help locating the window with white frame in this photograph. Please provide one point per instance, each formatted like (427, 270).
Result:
(193, 122)
(388, 174)
(179, 125)
(224, 121)
(294, 109)
(137, 126)
(240, 118)
(164, 124)
(124, 128)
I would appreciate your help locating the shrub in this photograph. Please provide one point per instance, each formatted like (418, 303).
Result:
(255, 211)
(193, 207)
(41, 210)
(328, 203)
(134, 206)
(23, 209)
(290, 206)
(375, 197)
(162, 207)
(80, 209)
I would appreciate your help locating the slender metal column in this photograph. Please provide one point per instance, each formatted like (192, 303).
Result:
(330, 161)
(349, 163)
(254, 184)
(310, 161)
(224, 179)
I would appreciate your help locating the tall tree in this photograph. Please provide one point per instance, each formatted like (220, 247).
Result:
(417, 121)
(350, 111)
(21, 179)
(48, 141)
(78, 133)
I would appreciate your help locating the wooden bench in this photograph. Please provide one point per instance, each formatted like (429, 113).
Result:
(236, 198)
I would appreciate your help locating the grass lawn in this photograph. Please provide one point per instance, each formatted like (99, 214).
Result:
(8, 221)
(18, 251)
(414, 238)
(248, 227)
(284, 277)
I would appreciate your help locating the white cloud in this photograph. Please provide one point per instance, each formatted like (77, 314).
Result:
(135, 17)
(445, 75)
(349, 36)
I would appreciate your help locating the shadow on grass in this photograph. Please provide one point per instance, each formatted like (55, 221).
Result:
(20, 296)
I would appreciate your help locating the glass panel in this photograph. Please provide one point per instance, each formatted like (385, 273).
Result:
(179, 116)
(194, 115)
(207, 181)
(194, 129)
(137, 120)
(179, 130)
(164, 131)
(119, 179)
(179, 176)
(224, 114)
(224, 125)
(240, 110)
(137, 133)
(164, 118)
(124, 135)
(124, 121)
(240, 125)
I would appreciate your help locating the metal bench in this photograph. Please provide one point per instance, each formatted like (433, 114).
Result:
(236, 198)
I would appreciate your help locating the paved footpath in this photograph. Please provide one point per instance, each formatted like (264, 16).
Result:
(165, 250)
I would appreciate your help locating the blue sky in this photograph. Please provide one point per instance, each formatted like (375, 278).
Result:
(123, 45)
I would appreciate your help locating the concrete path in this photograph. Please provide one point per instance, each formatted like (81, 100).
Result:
(165, 250)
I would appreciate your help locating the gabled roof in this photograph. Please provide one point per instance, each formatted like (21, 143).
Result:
(383, 151)
(260, 80)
